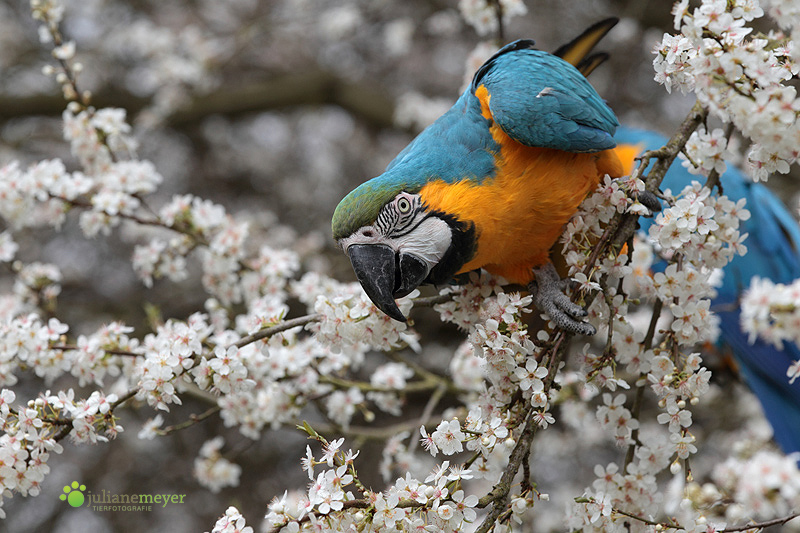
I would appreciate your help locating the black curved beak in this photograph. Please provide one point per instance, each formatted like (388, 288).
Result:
(386, 275)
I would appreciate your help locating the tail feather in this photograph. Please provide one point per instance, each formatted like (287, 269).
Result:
(575, 51)
(588, 64)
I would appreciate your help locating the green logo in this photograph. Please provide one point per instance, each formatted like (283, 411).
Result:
(74, 494)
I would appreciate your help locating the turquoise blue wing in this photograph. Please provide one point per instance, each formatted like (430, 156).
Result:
(539, 99)
(457, 146)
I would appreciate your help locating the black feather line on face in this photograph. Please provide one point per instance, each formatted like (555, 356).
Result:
(392, 223)
(462, 248)
(419, 216)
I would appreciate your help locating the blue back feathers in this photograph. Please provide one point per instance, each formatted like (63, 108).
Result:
(539, 99)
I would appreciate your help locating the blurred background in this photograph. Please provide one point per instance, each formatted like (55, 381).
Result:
(274, 109)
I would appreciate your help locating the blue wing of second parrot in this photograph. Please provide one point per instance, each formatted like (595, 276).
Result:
(773, 251)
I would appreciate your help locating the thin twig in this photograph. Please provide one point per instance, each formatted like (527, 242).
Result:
(122, 399)
(637, 399)
(498, 12)
(193, 419)
(761, 525)
(111, 351)
(433, 401)
(278, 328)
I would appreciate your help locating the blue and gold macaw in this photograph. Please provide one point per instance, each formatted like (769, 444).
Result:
(490, 184)
(773, 251)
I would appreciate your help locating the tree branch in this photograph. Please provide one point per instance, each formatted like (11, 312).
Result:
(499, 494)
(369, 102)
(761, 525)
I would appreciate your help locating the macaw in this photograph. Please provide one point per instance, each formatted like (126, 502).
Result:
(490, 184)
(773, 251)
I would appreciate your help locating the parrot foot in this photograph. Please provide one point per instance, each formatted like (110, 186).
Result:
(548, 296)
(649, 200)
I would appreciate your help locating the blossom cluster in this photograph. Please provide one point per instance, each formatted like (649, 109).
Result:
(700, 233)
(706, 151)
(740, 76)
(349, 321)
(213, 470)
(437, 503)
(502, 346)
(483, 15)
(107, 190)
(465, 303)
(771, 311)
(31, 433)
(167, 355)
(25, 445)
(634, 491)
(232, 522)
(765, 484)
(26, 341)
(612, 196)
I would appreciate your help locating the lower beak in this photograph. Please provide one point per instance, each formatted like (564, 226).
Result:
(386, 275)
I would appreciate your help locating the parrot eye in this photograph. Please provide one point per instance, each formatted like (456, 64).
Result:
(403, 205)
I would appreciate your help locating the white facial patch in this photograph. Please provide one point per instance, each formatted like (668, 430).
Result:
(428, 241)
(365, 235)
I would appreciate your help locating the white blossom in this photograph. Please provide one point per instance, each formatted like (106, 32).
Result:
(212, 470)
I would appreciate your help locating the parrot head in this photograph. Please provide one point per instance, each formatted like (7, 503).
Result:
(395, 242)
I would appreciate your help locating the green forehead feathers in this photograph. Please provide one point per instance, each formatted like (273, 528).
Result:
(361, 207)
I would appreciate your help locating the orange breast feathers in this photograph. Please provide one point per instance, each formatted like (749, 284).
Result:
(627, 154)
(520, 212)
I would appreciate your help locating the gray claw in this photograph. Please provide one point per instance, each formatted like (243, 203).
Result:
(649, 200)
(547, 294)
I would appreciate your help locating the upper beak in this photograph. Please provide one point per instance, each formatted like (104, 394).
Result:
(386, 275)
